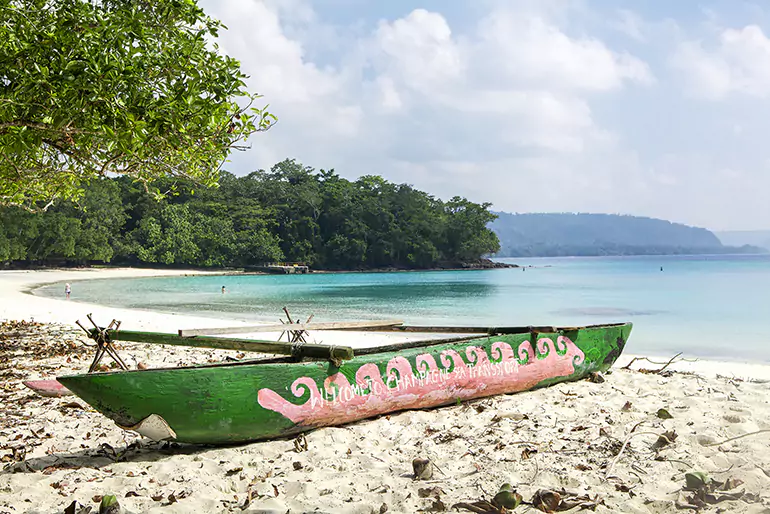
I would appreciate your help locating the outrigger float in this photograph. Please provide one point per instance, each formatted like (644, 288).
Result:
(316, 385)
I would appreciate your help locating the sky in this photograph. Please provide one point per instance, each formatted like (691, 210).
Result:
(653, 108)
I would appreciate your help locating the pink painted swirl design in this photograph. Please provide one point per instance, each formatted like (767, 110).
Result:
(428, 384)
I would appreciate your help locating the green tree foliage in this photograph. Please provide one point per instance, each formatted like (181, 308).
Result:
(290, 212)
(116, 86)
(467, 232)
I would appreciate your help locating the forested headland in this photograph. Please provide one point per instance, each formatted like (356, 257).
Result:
(758, 238)
(578, 234)
(290, 213)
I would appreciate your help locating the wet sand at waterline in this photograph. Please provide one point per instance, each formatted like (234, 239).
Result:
(609, 439)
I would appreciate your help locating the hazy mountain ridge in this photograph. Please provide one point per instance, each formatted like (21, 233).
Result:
(563, 234)
(759, 238)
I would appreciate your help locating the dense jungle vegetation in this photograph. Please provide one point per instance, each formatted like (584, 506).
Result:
(289, 213)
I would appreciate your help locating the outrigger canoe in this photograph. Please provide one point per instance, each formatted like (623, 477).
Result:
(254, 400)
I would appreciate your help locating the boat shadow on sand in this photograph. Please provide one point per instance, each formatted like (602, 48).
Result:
(106, 455)
(148, 451)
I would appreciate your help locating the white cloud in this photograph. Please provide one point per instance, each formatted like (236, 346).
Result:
(522, 107)
(630, 24)
(418, 51)
(546, 120)
(521, 75)
(739, 63)
(528, 47)
(517, 73)
(390, 97)
(275, 62)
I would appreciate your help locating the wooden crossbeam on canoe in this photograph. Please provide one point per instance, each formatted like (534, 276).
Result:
(337, 325)
(294, 336)
(103, 343)
(453, 330)
(315, 351)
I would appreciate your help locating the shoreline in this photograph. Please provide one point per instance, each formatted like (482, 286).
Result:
(482, 264)
(574, 435)
(18, 301)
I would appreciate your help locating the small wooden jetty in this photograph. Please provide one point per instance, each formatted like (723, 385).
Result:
(284, 268)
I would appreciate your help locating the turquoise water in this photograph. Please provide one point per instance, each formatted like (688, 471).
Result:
(705, 306)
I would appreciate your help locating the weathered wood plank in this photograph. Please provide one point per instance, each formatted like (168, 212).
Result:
(337, 325)
(315, 351)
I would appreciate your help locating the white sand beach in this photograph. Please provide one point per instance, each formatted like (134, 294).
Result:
(607, 442)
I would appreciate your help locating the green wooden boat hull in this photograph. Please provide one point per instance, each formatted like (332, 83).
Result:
(257, 400)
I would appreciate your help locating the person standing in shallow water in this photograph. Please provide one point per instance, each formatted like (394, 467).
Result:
(67, 291)
(223, 289)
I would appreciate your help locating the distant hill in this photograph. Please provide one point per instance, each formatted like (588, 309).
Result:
(564, 234)
(745, 237)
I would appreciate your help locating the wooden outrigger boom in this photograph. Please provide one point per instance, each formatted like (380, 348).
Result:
(339, 325)
(429, 329)
(310, 350)
(201, 338)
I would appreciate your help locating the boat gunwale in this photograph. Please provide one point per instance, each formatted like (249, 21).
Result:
(361, 352)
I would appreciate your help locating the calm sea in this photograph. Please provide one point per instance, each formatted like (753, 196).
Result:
(705, 306)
